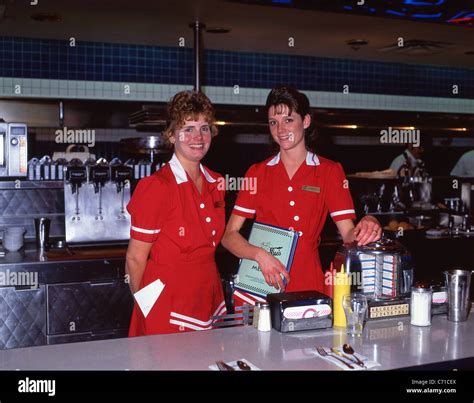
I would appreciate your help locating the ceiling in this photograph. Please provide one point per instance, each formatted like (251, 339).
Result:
(254, 28)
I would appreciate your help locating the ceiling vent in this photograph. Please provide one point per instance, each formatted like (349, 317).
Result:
(417, 47)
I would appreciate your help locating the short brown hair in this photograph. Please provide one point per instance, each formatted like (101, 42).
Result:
(187, 105)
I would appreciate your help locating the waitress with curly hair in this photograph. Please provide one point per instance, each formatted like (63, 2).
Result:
(178, 219)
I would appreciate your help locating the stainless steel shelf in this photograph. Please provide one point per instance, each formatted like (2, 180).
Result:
(24, 184)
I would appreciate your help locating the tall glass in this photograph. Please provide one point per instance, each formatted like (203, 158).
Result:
(355, 307)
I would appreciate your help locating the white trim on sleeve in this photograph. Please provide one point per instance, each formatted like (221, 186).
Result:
(145, 231)
(245, 210)
(341, 212)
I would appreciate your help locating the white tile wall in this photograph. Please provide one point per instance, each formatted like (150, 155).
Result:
(224, 95)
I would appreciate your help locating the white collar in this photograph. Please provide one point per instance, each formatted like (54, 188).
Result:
(180, 173)
(311, 159)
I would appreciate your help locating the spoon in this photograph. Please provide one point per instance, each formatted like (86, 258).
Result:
(243, 366)
(349, 350)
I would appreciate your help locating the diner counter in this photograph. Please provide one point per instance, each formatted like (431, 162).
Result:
(394, 343)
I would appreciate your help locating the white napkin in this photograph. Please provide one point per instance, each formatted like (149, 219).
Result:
(234, 365)
(368, 363)
(147, 296)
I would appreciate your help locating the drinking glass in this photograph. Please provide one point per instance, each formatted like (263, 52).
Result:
(355, 307)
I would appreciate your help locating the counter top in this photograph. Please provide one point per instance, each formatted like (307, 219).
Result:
(393, 343)
(63, 265)
(31, 255)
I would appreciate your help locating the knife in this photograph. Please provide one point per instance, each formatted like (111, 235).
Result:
(223, 366)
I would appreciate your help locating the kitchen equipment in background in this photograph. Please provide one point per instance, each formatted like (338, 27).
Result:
(154, 147)
(42, 226)
(421, 221)
(295, 311)
(76, 175)
(70, 154)
(13, 238)
(13, 149)
(95, 199)
(466, 193)
(99, 175)
(46, 165)
(457, 285)
(32, 169)
(121, 175)
(382, 271)
(454, 204)
(422, 191)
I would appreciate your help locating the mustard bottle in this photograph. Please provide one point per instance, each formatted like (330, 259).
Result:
(342, 287)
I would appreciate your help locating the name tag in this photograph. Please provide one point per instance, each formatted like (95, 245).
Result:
(314, 189)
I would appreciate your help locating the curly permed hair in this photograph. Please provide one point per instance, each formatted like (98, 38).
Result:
(187, 105)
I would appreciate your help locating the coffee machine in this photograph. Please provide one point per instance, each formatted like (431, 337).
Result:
(95, 199)
(13, 149)
(383, 272)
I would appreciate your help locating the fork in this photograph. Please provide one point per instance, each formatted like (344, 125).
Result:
(323, 353)
(223, 366)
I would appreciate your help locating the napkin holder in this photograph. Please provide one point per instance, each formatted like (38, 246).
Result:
(304, 310)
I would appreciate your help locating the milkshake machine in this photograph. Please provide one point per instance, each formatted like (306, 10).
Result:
(95, 199)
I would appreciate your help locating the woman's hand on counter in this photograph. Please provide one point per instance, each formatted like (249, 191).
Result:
(367, 230)
(272, 269)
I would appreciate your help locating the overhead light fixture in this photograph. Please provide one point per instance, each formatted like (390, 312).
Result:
(459, 129)
(356, 44)
(344, 126)
(46, 17)
(220, 122)
(217, 30)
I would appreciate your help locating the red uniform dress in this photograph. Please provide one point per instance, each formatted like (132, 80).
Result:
(185, 228)
(302, 204)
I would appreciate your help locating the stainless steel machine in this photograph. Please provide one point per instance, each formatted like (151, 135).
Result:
(95, 199)
(13, 149)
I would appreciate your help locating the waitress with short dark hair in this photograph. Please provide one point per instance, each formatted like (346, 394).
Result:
(296, 189)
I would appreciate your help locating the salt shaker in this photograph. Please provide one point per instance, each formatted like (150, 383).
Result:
(264, 319)
(421, 296)
(256, 311)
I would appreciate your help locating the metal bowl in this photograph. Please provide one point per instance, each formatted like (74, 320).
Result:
(145, 145)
